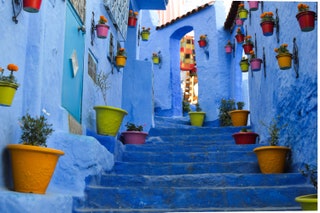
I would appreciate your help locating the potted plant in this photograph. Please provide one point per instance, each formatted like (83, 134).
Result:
(185, 107)
(310, 201)
(272, 158)
(244, 64)
(284, 57)
(239, 116)
(267, 23)
(305, 18)
(226, 105)
(228, 48)
(245, 136)
(108, 118)
(8, 85)
(197, 117)
(134, 134)
(32, 162)
(242, 12)
(253, 5)
(32, 6)
(202, 41)
(255, 62)
(132, 19)
(121, 57)
(102, 28)
(240, 36)
(155, 58)
(248, 44)
(238, 21)
(145, 33)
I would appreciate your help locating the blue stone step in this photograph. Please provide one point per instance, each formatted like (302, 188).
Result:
(198, 180)
(200, 197)
(194, 139)
(166, 157)
(184, 168)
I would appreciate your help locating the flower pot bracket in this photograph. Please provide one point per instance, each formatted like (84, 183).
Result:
(295, 58)
(16, 8)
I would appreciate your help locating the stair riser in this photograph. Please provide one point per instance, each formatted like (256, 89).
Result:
(194, 139)
(210, 180)
(189, 157)
(167, 197)
(184, 168)
(193, 130)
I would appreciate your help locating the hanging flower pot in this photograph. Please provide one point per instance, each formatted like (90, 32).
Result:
(255, 64)
(267, 28)
(305, 17)
(239, 37)
(8, 85)
(155, 58)
(247, 48)
(203, 41)
(242, 12)
(145, 33)
(31, 6)
(121, 58)
(284, 57)
(132, 19)
(244, 65)
(253, 5)
(239, 22)
(228, 47)
(102, 28)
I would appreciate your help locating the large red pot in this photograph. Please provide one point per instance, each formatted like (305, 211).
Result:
(306, 20)
(267, 28)
(132, 21)
(31, 6)
(240, 38)
(247, 48)
(202, 43)
(245, 137)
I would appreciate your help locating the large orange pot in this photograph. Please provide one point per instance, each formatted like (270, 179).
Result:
(121, 60)
(284, 61)
(32, 167)
(271, 159)
(239, 117)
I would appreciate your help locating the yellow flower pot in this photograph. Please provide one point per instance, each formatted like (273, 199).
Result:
(121, 60)
(284, 60)
(239, 117)
(244, 66)
(7, 92)
(109, 119)
(145, 35)
(271, 159)
(308, 202)
(197, 118)
(32, 167)
(155, 60)
(243, 14)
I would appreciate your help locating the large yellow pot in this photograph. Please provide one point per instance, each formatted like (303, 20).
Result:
(109, 119)
(7, 92)
(284, 60)
(308, 202)
(271, 159)
(239, 117)
(121, 60)
(32, 167)
(197, 118)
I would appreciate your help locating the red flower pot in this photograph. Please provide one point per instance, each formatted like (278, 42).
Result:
(267, 28)
(245, 137)
(239, 22)
(255, 64)
(31, 6)
(306, 20)
(240, 38)
(253, 5)
(134, 137)
(202, 43)
(247, 48)
(102, 30)
(228, 49)
(132, 21)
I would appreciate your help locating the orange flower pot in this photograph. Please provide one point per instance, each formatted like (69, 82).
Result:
(284, 61)
(239, 117)
(271, 159)
(121, 60)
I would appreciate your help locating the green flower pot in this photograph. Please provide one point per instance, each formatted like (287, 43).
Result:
(308, 202)
(197, 118)
(7, 92)
(109, 119)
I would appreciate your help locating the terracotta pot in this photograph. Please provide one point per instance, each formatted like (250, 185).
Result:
(239, 117)
(247, 48)
(32, 6)
(240, 38)
(267, 28)
(202, 43)
(255, 64)
(132, 21)
(284, 61)
(245, 137)
(121, 60)
(306, 20)
(102, 30)
(271, 159)
(134, 137)
(253, 5)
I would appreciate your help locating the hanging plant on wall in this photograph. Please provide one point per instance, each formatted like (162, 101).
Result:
(102, 28)
(242, 12)
(32, 6)
(121, 57)
(239, 36)
(145, 33)
(202, 41)
(253, 5)
(267, 23)
(244, 64)
(229, 46)
(305, 18)
(255, 62)
(132, 19)
(248, 44)
(284, 57)
(8, 85)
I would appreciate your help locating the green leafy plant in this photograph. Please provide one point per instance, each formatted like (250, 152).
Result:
(186, 106)
(311, 172)
(198, 108)
(273, 130)
(240, 105)
(245, 130)
(35, 130)
(133, 127)
(226, 105)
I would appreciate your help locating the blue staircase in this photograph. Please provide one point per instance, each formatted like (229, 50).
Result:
(183, 168)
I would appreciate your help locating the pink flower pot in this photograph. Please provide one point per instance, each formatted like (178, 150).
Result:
(134, 137)
(255, 64)
(306, 20)
(102, 30)
(228, 49)
(267, 28)
(253, 5)
(239, 22)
